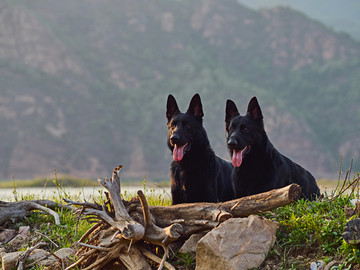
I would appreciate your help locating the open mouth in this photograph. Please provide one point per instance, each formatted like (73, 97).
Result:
(238, 155)
(180, 150)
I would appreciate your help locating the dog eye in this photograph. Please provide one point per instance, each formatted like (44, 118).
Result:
(173, 126)
(244, 129)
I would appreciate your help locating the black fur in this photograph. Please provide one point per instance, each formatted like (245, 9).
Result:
(258, 166)
(197, 174)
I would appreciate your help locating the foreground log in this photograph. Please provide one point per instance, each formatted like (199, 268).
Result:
(12, 211)
(196, 217)
(125, 229)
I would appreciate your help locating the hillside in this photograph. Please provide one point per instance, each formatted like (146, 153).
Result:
(84, 83)
(333, 13)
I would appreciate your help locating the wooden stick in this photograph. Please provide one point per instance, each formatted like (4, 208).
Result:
(153, 233)
(148, 254)
(129, 228)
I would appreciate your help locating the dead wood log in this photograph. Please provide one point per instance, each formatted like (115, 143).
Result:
(209, 215)
(197, 217)
(121, 221)
(154, 234)
(10, 211)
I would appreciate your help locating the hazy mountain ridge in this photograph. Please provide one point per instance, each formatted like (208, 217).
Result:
(333, 13)
(84, 83)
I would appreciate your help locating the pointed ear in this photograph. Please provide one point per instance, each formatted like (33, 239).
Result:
(254, 109)
(230, 110)
(171, 107)
(195, 107)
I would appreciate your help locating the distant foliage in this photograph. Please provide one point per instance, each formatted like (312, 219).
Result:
(90, 92)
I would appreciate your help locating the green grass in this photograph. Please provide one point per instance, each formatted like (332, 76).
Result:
(312, 230)
(161, 199)
(57, 236)
(70, 181)
(308, 231)
(71, 228)
(63, 180)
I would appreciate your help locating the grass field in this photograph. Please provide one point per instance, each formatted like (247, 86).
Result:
(70, 181)
(308, 232)
(62, 180)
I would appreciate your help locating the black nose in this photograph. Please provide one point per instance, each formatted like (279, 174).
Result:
(232, 142)
(174, 138)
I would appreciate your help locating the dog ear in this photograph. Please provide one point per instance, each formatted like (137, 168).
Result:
(254, 109)
(195, 107)
(171, 107)
(230, 110)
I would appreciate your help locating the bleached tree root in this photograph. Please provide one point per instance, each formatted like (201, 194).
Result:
(12, 211)
(125, 228)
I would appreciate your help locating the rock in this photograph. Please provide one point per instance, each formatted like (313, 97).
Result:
(6, 235)
(24, 231)
(351, 232)
(238, 243)
(38, 255)
(21, 238)
(318, 265)
(18, 242)
(349, 211)
(10, 260)
(190, 244)
(63, 254)
(42, 257)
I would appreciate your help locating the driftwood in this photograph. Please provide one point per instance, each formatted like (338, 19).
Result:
(11, 211)
(124, 229)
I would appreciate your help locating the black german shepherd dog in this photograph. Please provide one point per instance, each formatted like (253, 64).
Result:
(197, 174)
(258, 166)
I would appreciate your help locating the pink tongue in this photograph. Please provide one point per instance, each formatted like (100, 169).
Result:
(178, 152)
(237, 158)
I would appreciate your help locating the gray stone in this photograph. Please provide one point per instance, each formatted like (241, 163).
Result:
(63, 254)
(38, 255)
(318, 265)
(238, 243)
(6, 235)
(190, 244)
(24, 231)
(351, 232)
(42, 257)
(18, 242)
(9, 260)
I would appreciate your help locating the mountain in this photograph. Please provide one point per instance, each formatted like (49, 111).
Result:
(340, 16)
(84, 83)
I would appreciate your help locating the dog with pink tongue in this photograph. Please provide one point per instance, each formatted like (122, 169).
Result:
(258, 166)
(197, 174)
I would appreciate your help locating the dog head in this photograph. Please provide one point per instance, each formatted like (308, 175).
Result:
(244, 133)
(185, 129)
